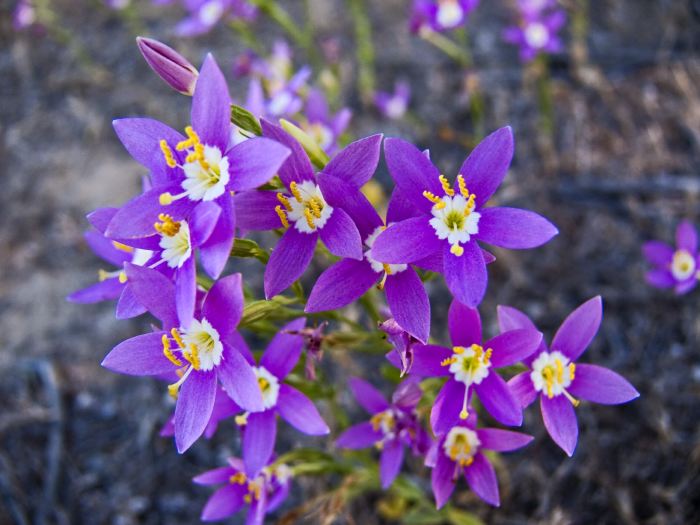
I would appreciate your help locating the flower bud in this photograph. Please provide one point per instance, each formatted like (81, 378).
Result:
(169, 65)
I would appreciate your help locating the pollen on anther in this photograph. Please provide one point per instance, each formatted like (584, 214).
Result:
(457, 250)
(282, 215)
(295, 191)
(446, 186)
(284, 201)
(168, 154)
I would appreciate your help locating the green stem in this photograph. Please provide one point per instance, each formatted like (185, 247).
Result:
(544, 95)
(280, 16)
(457, 53)
(365, 49)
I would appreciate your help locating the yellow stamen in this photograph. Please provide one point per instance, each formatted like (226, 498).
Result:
(167, 226)
(470, 205)
(387, 268)
(295, 191)
(168, 154)
(379, 445)
(122, 277)
(193, 356)
(446, 186)
(572, 370)
(103, 275)
(437, 201)
(282, 215)
(239, 478)
(462, 186)
(457, 250)
(167, 352)
(263, 383)
(122, 247)
(549, 380)
(380, 284)
(177, 337)
(448, 361)
(463, 414)
(241, 419)
(315, 206)
(284, 201)
(560, 370)
(309, 218)
(458, 349)
(165, 198)
(571, 398)
(173, 390)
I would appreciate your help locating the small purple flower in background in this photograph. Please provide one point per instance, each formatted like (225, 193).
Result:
(24, 15)
(205, 14)
(201, 353)
(459, 451)
(678, 269)
(394, 105)
(261, 493)
(470, 366)
(168, 64)
(557, 380)
(392, 426)
(537, 31)
(449, 220)
(440, 15)
(324, 127)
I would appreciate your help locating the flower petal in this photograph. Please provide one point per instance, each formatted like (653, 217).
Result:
(601, 385)
(297, 167)
(139, 356)
(211, 106)
(660, 279)
(658, 253)
(368, 397)
(513, 346)
(259, 440)
(255, 210)
(409, 303)
(400, 207)
(390, 462)
(488, 164)
(195, 403)
(288, 260)
(357, 162)
(502, 440)
(579, 328)
(522, 389)
(686, 286)
(687, 237)
(358, 437)
(102, 291)
(341, 236)
(406, 241)
(128, 305)
(341, 284)
(464, 324)
(223, 304)
(225, 502)
(427, 360)
(466, 275)
(255, 161)
(238, 379)
(105, 249)
(481, 478)
(442, 479)
(214, 477)
(499, 401)
(216, 250)
(560, 421)
(448, 405)
(281, 355)
(186, 291)
(514, 228)
(298, 410)
(154, 291)
(203, 221)
(101, 217)
(341, 194)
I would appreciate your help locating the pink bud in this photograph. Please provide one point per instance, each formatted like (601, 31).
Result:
(169, 65)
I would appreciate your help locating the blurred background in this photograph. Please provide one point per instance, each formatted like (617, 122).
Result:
(607, 146)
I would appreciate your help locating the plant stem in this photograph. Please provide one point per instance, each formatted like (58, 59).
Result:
(277, 13)
(365, 50)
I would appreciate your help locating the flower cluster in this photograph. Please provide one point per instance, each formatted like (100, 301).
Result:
(169, 248)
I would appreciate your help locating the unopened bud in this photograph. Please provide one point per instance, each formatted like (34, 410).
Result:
(169, 65)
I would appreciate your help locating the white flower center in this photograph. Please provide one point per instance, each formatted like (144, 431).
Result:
(552, 373)
(210, 13)
(385, 422)
(456, 221)
(683, 265)
(536, 35)
(469, 365)
(206, 179)
(378, 267)
(461, 444)
(203, 340)
(174, 241)
(269, 386)
(306, 207)
(449, 13)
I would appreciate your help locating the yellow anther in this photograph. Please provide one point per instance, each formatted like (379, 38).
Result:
(122, 277)
(462, 186)
(247, 499)
(263, 383)
(192, 134)
(282, 215)
(177, 337)
(183, 145)
(238, 477)
(191, 157)
(560, 370)
(167, 226)
(315, 206)
(254, 489)
(103, 275)
(379, 445)
(549, 380)
(380, 284)
(572, 399)
(284, 201)
(241, 419)
(122, 247)
(193, 356)
(437, 201)
(309, 218)
(448, 361)
(487, 356)
(168, 154)
(458, 349)
(167, 352)
(387, 268)
(470, 205)
(173, 390)
(457, 250)
(165, 198)
(572, 371)
(466, 462)
(463, 414)
(446, 186)
(295, 191)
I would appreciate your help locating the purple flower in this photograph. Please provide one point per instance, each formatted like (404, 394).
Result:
(394, 105)
(201, 171)
(260, 428)
(402, 354)
(312, 206)
(440, 15)
(679, 268)
(449, 220)
(324, 127)
(470, 366)
(262, 493)
(459, 451)
(205, 14)
(537, 31)
(201, 352)
(391, 428)
(557, 380)
(168, 64)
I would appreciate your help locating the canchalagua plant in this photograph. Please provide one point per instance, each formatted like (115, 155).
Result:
(231, 173)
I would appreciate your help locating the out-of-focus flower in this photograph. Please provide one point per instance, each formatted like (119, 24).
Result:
(440, 15)
(450, 219)
(391, 428)
(169, 65)
(402, 354)
(537, 30)
(118, 4)
(261, 493)
(677, 268)
(324, 127)
(460, 451)
(203, 15)
(24, 15)
(557, 380)
(394, 105)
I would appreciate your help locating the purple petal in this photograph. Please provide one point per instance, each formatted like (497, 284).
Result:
(499, 401)
(255, 210)
(409, 303)
(341, 194)
(502, 440)
(560, 420)
(186, 291)
(239, 380)
(214, 477)
(482, 480)
(687, 237)
(139, 356)
(281, 355)
(442, 479)
(259, 440)
(223, 304)
(195, 403)
(216, 250)
(412, 171)
(341, 236)
(390, 462)
(225, 502)
(686, 286)
(288, 260)
(105, 249)
(407, 241)
(298, 410)
(357, 162)
(513, 228)
(488, 164)
(128, 305)
(297, 167)
(202, 221)
(400, 207)
(522, 389)
(601, 385)
(101, 217)
(211, 106)
(236, 341)
(427, 360)
(579, 328)
(103, 291)
(510, 318)
(448, 406)
(658, 253)
(359, 436)
(154, 291)
(407, 394)
(341, 284)
(368, 397)
(466, 275)
(255, 161)
(660, 279)
(464, 324)
(513, 346)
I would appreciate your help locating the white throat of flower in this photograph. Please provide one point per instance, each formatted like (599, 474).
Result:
(454, 217)
(175, 241)
(381, 268)
(683, 265)
(552, 373)
(384, 422)
(306, 207)
(536, 35)
(269, 386)
(468, 365)
(461, 445)
(206, 170)
(198, 347)
(139, 257)
(449, 13)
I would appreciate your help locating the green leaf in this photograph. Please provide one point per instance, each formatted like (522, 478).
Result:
(245, 120)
